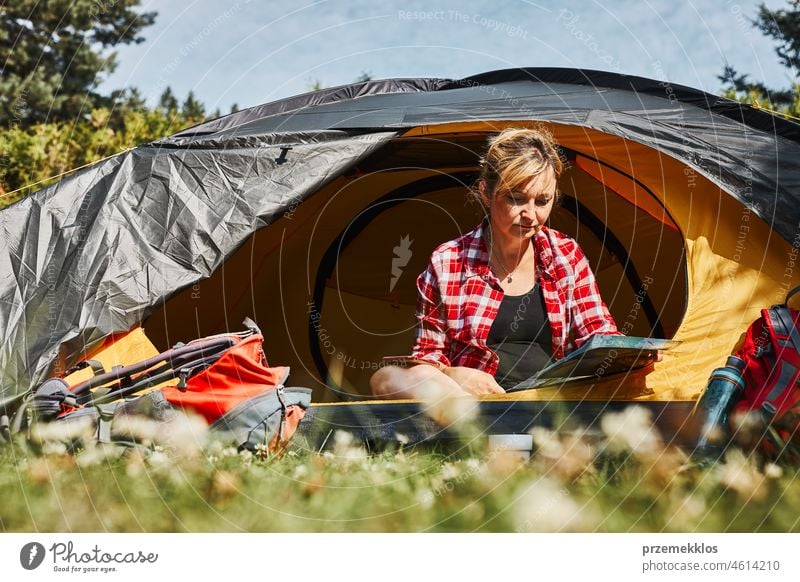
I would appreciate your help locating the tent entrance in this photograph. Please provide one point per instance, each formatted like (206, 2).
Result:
(332, 283)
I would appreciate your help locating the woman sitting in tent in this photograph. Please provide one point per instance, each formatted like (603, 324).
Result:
(496, 304)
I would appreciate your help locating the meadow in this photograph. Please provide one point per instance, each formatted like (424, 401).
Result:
(181, 481)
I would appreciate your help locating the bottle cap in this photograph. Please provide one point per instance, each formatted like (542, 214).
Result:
(727, 374)
(736, 362)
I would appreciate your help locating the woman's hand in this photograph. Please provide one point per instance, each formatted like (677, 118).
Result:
(474, 381)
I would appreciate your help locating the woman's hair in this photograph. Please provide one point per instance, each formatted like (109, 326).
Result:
(516, 155)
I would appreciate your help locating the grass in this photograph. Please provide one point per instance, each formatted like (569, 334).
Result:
(620, 484)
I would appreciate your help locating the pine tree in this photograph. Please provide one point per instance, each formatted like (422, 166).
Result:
(782, 26)
(54, 54)
(168, 102)
(192, 108)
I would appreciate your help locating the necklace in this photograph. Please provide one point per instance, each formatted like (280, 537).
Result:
(509, 276)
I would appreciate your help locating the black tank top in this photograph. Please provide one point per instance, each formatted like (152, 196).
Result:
(521, 337)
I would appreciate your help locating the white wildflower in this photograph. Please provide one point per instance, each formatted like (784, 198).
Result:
(352, 454)
(450, 471)
(99, 454)
(137, 428)
(547, 442)
(773, 471)
(739, 474)
(565, 457)
(692, 506)
(685, 511)
(425, 498)
(246, 457)
(545, 506)
(262, 451)
(345, 449)
(54, 448)
(631, 430)
(62, 431)
(215, 447)
(186, 435)
(747, 428)
(159, 460)
(342, 438)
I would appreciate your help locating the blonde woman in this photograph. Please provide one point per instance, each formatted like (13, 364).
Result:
(498, 303)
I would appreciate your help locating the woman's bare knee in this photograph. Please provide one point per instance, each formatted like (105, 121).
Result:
(382, 381)
(399, 382)
(413, 382)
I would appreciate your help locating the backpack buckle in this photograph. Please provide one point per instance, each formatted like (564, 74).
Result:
(769, 409)
(183, 377)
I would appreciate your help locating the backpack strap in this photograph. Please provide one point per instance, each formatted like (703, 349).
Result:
(105, 416)
(790, 294)
(95, 365)
(282, 400)
(785, 373)
(783, 324)
(5, 428)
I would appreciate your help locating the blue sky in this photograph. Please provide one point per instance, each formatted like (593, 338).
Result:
(254, 51)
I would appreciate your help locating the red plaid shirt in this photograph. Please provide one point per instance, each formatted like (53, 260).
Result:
(459, 298)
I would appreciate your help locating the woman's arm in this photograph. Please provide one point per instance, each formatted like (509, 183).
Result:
(589, 313)
(430, 343)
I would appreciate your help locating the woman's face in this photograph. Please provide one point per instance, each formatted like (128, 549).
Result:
(521, 214)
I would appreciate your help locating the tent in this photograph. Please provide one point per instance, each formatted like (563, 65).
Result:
(314, 214)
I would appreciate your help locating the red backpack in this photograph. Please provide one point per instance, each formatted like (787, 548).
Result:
(771, 352)
(242, 398)
(223, 378)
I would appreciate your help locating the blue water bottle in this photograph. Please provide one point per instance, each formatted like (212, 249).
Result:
(725, 385)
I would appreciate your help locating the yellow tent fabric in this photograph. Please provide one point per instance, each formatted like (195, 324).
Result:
(708, 262)
(119, 350)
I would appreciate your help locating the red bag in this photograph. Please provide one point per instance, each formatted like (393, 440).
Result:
(771, 352)
(225, 378)
(243, 398)
(241, 372)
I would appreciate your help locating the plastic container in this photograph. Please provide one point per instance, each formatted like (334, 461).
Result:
(725, 385)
